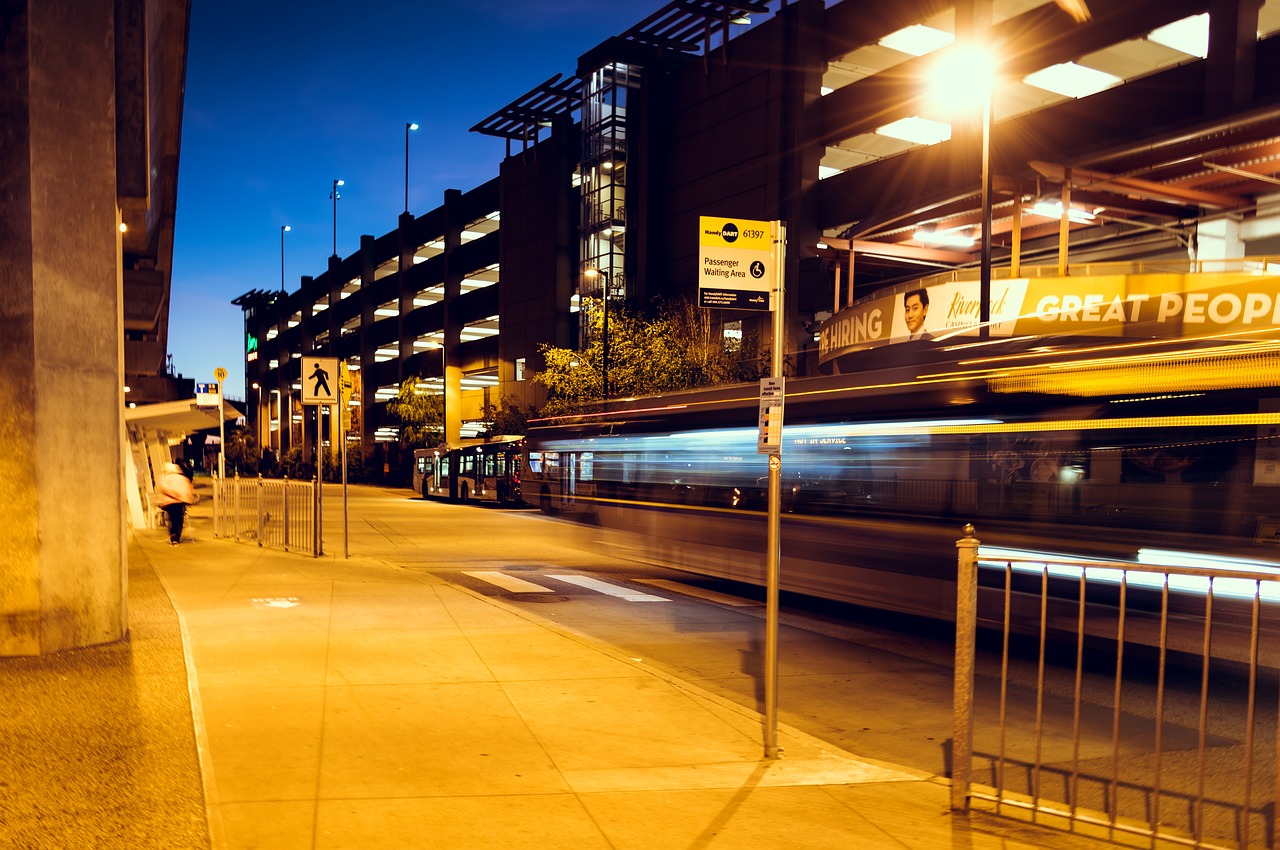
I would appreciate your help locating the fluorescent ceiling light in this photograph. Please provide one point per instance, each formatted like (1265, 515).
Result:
(917, 39)
(825, 171)
(1071, 80)
(948, 238)
(1189, 35)
(921, 131)
(1053, 209)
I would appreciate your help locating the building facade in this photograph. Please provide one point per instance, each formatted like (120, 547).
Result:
(1153, 129)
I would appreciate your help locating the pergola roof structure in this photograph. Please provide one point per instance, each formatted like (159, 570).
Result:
(686, 26)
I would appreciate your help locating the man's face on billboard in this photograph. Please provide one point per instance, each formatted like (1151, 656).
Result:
(915, 313)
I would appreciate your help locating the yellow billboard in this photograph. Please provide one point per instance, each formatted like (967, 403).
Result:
(1148, 305)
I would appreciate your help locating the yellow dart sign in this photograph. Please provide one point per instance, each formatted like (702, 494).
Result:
(737, 262)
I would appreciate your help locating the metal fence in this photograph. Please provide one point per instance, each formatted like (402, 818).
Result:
(1129, 698)
(277, 513)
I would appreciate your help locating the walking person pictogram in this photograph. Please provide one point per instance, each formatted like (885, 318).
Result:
(321, 377)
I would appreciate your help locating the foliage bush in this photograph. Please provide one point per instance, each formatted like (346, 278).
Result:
(674, 345)
(420, 414)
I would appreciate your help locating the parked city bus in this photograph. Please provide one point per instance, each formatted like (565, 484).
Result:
(475, 472)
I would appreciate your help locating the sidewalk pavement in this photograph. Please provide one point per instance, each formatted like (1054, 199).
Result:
(349, 704)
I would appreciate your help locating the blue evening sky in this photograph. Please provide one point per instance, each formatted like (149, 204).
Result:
(282, 98)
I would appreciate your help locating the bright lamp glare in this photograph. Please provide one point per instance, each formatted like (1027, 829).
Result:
(962, 79)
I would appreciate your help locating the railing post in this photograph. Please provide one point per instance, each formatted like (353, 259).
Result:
(235, 501)
(284, 497)
(966, 641)
(262, 526)
(315, 519)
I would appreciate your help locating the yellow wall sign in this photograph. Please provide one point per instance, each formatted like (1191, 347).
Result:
(1166, 306)
(737, 262)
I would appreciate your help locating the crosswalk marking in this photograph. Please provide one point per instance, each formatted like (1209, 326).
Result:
(518, 585)
(507, 582)
(609, 589)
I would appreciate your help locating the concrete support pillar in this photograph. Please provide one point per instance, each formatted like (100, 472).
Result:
(1218, 240)
(63, 565)
(1233, 45)
(452, 321)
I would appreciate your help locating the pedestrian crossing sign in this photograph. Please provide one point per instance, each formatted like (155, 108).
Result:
(320, 380)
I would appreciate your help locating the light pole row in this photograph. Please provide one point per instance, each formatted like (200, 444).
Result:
(335, 196)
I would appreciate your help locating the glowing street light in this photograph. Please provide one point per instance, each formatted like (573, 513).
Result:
(284, 228)
(965, 77)
(334, 196)
(407, 127)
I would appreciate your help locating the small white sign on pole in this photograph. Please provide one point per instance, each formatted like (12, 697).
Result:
(772, 398)
(208, 395)
(320, 380)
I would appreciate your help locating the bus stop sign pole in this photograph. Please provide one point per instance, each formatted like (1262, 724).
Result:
(771, 438)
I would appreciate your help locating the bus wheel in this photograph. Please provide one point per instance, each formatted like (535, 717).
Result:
(544, 501)
(462, 493)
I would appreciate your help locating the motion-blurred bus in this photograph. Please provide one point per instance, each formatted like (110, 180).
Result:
(1097, 454)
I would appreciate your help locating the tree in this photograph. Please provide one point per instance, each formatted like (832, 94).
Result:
(506, 417)
(673, 347)
(241, 451)
(420, 414)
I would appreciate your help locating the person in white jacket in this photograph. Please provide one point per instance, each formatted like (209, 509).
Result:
(173, 493)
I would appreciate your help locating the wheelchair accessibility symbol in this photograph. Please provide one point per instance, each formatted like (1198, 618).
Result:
(757, 269)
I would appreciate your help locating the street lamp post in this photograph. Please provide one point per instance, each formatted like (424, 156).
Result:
(984, 258)
(605, 376)
(407, 127)
(334, 196)
(593, 274)
(284, 228)
(966, 73)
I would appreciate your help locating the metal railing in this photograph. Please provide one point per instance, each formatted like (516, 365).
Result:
(1164, 726)
(277, 513)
